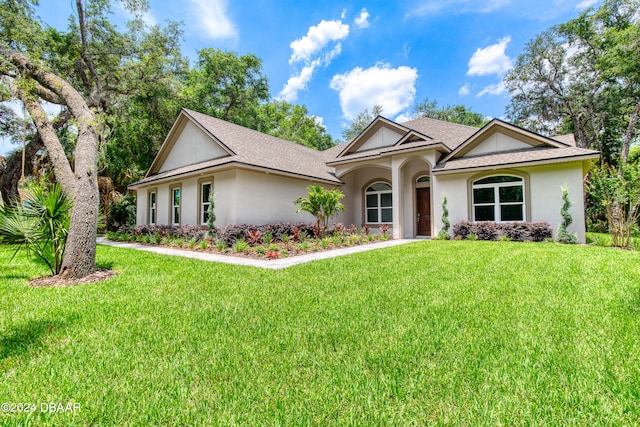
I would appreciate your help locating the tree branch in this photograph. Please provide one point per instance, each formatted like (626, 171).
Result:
(61, 167)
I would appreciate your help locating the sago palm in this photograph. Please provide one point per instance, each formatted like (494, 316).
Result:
(39, 224)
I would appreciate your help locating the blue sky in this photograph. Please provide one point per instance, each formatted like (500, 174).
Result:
(338, 58)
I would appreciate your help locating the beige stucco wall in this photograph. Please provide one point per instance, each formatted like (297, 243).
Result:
(497, 142)
(192, 146)
(383, 137)
(355, 183)
(264, 198)
(543, 197)
(225, 193)
(240, 197)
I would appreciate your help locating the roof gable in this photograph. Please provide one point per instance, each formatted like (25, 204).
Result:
(380, 133)
(497, 137)
(187, 143)
(237, 146)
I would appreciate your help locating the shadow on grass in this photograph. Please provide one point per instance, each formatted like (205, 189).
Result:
(107, 265)
(21, 339)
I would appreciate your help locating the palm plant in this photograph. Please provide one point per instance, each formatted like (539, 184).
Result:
(321, 203)
(40, 224)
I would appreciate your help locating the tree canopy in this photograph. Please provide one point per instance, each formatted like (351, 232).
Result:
(449, 113)
(361, 121)
(118, 94)
(583, 77)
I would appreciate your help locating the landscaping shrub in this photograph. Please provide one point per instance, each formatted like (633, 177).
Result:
(462, 229)
(540, 231)
(514, 231)
(487, 230)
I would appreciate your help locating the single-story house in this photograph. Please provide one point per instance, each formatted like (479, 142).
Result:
(391, 173)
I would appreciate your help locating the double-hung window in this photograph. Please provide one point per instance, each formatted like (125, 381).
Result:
(378, 205)
(205, 203)
(499, 198)
(175, 206)
(152, 207)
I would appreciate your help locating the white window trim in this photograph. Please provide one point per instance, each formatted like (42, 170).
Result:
(379, 207)
(153, 207)
(204, 204)
(174, 206)
(496, 205)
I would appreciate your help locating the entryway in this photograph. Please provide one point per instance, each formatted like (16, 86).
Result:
(423, 214)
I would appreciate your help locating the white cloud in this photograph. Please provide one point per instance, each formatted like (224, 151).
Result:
(327, 58)
(297, 83)
(493, 89)
(491, 59)
(343, 14)
(433, 7)
(585, 4)
(404, 117)
(362, 21)
(317, 38)
(392, 88)
(211, 17)
(464, 90)
(319, 121)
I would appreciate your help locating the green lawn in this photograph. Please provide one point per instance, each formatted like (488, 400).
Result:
(436, 332)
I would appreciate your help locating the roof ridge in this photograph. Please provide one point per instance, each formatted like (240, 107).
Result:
(438, 120)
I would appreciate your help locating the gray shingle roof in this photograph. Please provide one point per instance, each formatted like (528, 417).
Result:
(568, 139)
(451, 134)
(254, 148)
(532, 155)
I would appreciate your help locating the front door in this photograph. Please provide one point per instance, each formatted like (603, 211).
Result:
(423, 202)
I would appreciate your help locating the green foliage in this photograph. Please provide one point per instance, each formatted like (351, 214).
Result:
(443, 234)
(267, 238)
(240, 246)
(39, 225)
(211, 216)
(563, 235)
(321, 203)
(293, 123)
(227, 86)
(281, 345)
(122, 213)
(449, 113)
(617, 193)
(360, 122)
(589, 84)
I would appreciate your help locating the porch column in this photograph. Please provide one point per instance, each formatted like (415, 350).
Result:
(396, 197)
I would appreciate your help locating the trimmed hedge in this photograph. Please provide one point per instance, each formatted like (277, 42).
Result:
(514, 231)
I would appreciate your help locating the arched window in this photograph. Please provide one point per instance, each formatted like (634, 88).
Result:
(423, 179)
(498, 198)
(378, 203)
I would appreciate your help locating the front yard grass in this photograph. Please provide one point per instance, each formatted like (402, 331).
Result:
(435, 332)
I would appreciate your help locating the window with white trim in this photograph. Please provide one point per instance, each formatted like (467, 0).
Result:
(205, 192)
(378, 205)
(152, 207)
(498, 198)
(175, 206)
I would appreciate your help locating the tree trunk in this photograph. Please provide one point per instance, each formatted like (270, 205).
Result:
(628, 136)
(80, 252)
(81, 183)
(13, 170)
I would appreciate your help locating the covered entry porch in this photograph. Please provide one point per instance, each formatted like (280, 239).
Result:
(395, 191)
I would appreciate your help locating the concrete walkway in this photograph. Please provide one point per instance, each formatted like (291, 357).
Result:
(275, 264)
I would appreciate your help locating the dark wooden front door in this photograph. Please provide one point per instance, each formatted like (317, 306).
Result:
(423, 202)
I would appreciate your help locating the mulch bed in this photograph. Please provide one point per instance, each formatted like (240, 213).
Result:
(56, 281)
